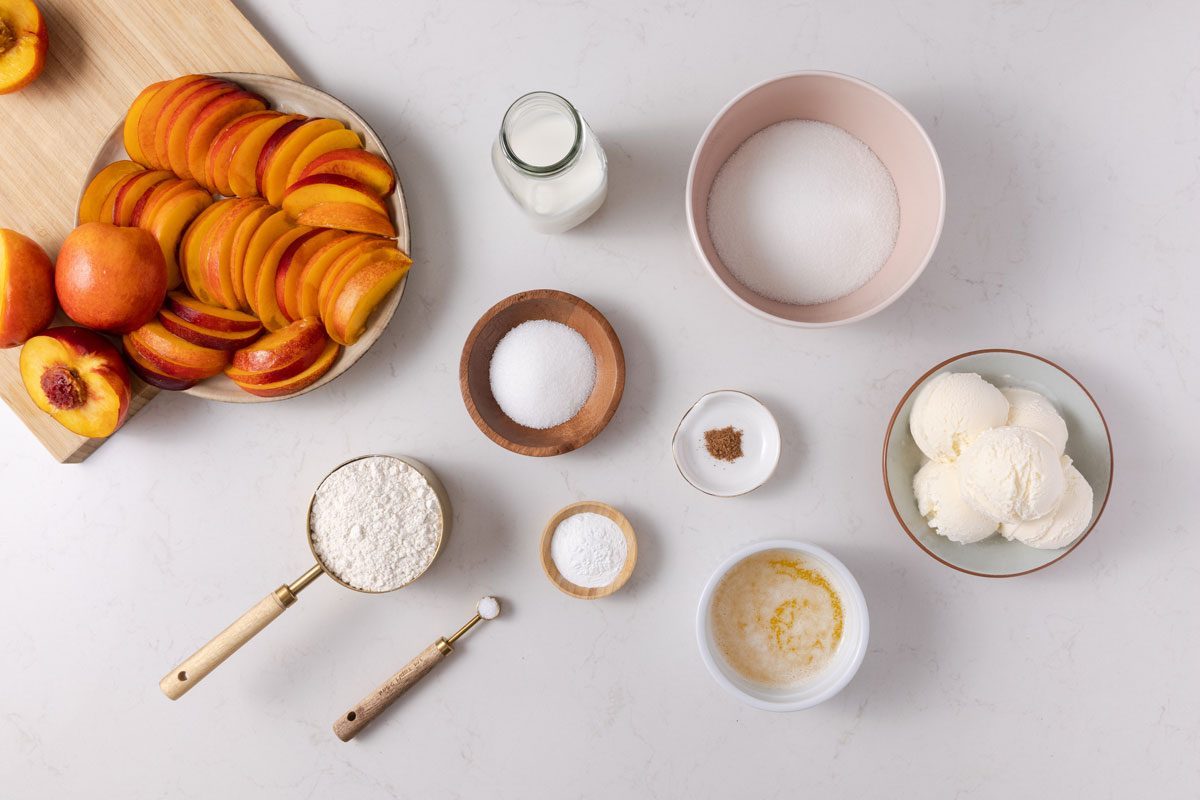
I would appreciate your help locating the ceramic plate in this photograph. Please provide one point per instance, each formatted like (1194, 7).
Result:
(1088, 444)
(760, 444)
(287, 95)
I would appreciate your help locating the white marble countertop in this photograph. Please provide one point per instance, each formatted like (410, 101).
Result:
(1069, 136)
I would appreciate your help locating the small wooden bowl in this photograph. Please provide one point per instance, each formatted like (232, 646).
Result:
(604, 510)
(556, 306)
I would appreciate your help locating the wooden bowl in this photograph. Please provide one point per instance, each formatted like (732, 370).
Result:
(556, 306)
(604, 510)
(291, 96)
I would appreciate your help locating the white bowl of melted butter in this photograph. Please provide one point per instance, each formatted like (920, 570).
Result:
(782, 625)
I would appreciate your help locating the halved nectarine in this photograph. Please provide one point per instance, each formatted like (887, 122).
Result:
(295, 383)
(77, 377)
(368, 168)
(242, 177)
(209, 122)
(325, 188)
(101, 185)
(350, 309)
(175, 357)
(129, 133)
(26, 288)
(342, 139)
(208, 316)
(275, 163)
(220, 153)
(23, 44)
(347, 217)
(282, 353)
(291, 267)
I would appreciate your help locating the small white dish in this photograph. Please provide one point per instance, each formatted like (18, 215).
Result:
(827, 683)
(760, 444)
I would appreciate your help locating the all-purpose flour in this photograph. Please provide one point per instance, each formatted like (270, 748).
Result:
(376, 523)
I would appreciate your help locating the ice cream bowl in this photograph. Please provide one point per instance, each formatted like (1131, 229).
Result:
(834, 677)
(876, 119)
(1088, 444)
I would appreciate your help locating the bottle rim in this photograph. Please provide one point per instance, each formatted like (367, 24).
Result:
(546, 169)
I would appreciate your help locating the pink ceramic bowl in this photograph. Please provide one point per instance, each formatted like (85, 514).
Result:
(869, 114)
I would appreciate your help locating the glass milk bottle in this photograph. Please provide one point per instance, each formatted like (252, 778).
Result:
(551, 163)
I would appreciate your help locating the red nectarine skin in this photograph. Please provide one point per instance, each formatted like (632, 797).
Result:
(354, 162)
(78, 378)
(110, 278)
(302, 340)
(26, 288)
(268, 150)
(299, 381)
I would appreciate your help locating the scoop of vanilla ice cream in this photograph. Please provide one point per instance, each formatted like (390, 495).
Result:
(941, 503)
(1028, 409)
(951, 410)
(1062, 525)
(1012, 475)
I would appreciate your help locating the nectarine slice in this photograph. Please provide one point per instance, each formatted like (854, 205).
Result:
(241, 243)
(296, 383)
(27, 300)
(129, 133)
(274, 164)
(271, 229)
(151, 375)
(98, 189)
(23, 44)
(242, 177)
(147, 123)
(314, 272)
(169, 222)
(368, 168)
(220, 153)
(192, 251)
(362, 292)
(322, 188)
(130, 190)
(152, 195)
(270, 147)
(347, 217)
(77, 377)
(171, 129)
(344, 266)
(342, 139)
(218, 272)
(205, 337)
(291, 267)
(209, 122)
(216, 318)
(173, 356)
(264, 302)
(158, 197)
(282, 353)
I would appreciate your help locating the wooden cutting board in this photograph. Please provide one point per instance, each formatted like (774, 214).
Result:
(102, 53)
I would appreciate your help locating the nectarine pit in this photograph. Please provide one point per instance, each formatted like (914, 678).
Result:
(63, 387)
(7, 39)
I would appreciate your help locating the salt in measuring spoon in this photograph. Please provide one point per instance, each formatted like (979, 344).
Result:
(191, 671)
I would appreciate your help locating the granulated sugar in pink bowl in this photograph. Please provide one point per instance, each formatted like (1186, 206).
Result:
(782, 233)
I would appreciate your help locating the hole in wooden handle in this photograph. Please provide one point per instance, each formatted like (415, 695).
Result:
(351, 717)
(182, 675)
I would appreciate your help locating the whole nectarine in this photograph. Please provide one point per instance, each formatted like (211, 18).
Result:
(110, 278)
(26, 288)
(23, 44)
(77, 377)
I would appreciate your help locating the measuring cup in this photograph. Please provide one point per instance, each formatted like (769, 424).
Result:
(177, 682)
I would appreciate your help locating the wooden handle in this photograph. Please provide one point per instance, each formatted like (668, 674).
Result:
(176, 683)
(371, 706)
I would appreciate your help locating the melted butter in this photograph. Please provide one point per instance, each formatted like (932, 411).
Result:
(777, 619)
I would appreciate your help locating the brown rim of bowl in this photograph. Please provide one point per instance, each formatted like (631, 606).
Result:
(464, 386)
(425, 472)
(675, 437)
(887, 437)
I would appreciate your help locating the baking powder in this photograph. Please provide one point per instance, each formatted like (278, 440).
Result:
(588, 549)
(376, 523)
